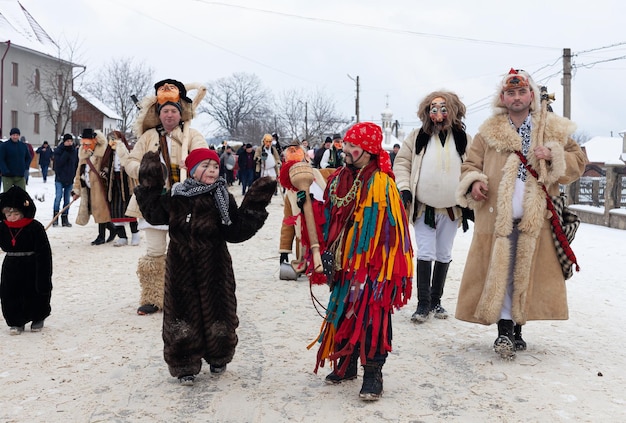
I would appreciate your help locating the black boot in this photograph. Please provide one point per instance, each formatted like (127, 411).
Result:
(112, 231)
(372, 388)
(520, 344)
(423, 291)
(505, 343)
(350, 373)
(65, 221)
(100, 239)
(436, 290)
(55, 222)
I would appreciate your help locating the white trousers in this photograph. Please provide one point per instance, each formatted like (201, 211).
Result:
(435, 244)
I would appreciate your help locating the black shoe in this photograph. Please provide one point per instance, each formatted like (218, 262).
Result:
(372, 388)
(350, 374)
(186, 380)
(216, 370)
(36, 326)
(112, 232)
(439, 312)
(504, 345)
(98, 241)
(520, 344)
(16, 330)
(147, 309)
(421, 314)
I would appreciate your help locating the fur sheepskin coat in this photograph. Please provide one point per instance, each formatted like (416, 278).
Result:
(200, 306)
(93, 196)
(539, 291)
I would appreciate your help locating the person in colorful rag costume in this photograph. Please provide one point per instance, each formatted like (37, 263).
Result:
(366, 231)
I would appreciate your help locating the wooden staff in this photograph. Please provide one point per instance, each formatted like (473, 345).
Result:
(301, 176)
(59, 213)
(545, 101)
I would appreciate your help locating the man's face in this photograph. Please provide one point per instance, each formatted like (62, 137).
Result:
(169, 116)
(517, 100)
(15, 137)
(355, 155)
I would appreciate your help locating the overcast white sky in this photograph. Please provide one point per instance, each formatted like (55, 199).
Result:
(400, 49)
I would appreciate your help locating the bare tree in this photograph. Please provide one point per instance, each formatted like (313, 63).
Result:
(308, 116)
(239, 105)
(291, 114)
(116, 83)
(54, 86)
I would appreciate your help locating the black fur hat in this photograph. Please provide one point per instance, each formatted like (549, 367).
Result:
(17, 198)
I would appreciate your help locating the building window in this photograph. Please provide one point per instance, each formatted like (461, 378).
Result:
(37, 80)
(15, 74)
(60, 84)
(36, 123)
(14, 123)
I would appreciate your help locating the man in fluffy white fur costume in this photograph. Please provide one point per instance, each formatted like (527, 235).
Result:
(162, 126)
(512, 273)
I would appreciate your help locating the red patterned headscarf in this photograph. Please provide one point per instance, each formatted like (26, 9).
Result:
(369, 137)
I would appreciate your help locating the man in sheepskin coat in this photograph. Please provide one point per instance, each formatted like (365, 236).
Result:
(163, 125)
(512, 273)
(200, 306)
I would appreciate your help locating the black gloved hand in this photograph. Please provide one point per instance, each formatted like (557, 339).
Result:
(301, 199)
(284, 257)
(151, 171)
(407, 197)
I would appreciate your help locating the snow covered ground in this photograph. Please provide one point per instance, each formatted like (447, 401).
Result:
(98, 361)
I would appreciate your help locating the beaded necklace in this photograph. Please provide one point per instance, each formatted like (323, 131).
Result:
(350, 195)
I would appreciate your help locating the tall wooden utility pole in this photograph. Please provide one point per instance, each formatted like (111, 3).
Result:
(356, 100)
(567, 83)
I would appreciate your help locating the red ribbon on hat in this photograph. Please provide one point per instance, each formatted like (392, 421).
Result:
(369, 137)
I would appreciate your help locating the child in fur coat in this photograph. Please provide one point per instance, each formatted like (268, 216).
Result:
(200, 306)
(26, 282)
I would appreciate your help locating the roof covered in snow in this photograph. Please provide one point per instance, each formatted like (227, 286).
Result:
(21, 29)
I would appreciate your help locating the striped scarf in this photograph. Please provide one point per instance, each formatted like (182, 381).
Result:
(192, 188)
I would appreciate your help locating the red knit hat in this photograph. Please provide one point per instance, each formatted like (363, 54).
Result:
(369, 137)
(199, 155)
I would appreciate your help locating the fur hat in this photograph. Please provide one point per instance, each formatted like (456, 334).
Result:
(517, 78)
(148, 116)
(199, 155)
(17, 198)
(15, 131)
(169, 96)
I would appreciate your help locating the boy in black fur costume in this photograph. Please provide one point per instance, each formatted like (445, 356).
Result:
(26, 284)
(200, 306)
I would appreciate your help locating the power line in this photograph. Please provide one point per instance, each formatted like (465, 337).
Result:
(374, 28)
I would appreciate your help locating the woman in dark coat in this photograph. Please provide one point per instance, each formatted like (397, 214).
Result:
(26, 281)
(200, 306)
